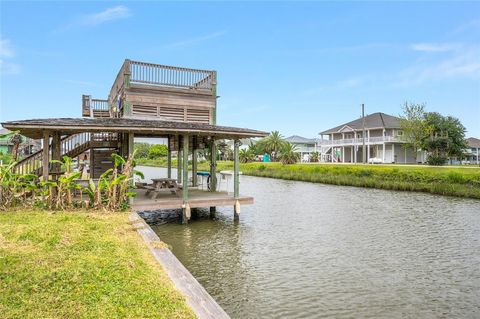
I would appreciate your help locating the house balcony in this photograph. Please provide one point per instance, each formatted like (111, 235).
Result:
(359, 141)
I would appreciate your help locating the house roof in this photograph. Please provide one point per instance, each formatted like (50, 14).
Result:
(299, 139)
(473, 142)
(375, 120)
(141, 127)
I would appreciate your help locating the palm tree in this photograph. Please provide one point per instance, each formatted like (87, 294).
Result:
(314, 157)
(272, 144)
(288, 154)
(246, 155)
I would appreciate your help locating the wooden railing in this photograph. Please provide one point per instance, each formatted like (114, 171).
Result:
(70, 145)
(163, 75)
(94, 107)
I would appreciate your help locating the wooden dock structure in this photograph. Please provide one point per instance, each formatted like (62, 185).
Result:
(146, 100)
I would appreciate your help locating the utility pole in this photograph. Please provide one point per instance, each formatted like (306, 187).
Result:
(364, 154)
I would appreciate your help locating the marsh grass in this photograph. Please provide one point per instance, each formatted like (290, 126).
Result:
(452, 181)
(80, 265)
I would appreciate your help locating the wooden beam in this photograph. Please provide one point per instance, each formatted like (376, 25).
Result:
(46, 154)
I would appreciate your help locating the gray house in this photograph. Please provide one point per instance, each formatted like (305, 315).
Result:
(383, 140)
(304, 146)
(473, 151)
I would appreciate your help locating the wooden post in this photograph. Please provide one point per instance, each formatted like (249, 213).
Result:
(186, 210)
(179, 164)
(194, 167)
(236, 179)
(56, 152)
(213, 166)
(214, 93)
(169, 159)
(45, 159)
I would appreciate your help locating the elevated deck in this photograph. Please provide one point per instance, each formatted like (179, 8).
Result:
(196, 199)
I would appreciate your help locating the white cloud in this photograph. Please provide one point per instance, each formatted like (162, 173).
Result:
(196, 40)
(435, 47)
(94, 19)
(6, 49)
(7, 52)
(461, 64)
(110, 14)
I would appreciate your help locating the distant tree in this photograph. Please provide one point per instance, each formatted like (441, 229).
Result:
(445, 138)
(272, 144)
(224, 150)
(413, 125)
(288, 155)
(157, 150)
(141, 150)
(246, 155)
(314, 157)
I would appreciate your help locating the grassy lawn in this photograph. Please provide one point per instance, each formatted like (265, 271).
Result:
(454, 181)
(80, 265)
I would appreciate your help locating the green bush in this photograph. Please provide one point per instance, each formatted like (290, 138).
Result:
(157, 151)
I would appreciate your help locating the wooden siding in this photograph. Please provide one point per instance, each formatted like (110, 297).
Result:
(189, 107)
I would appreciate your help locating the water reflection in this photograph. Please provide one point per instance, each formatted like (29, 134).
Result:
(310, 250)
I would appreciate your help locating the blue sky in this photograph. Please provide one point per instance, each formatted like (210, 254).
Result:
(295, 67)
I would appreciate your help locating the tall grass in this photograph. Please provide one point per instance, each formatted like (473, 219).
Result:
(453, 181)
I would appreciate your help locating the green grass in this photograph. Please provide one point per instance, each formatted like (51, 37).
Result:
(80, 265)
(453, 181)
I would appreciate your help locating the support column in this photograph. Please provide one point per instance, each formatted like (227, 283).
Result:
(368, 152)
(56, 152)
(352, 149)
(236, 179)
(477, 155)
(179, 160)
(343, 154)
(333, 153)
(194, 164)
(393, 153)
(186, 208)
(383, 152)
(213, 173)
(169, 159)
(45, 155)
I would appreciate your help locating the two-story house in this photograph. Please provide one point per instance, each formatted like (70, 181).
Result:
(382, 135)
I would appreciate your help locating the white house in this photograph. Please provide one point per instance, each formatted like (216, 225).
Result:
(304, 146)
(383, 141)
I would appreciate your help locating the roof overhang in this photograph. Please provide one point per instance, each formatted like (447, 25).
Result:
(66, 126)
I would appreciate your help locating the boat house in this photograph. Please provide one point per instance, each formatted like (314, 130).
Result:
(146, 100)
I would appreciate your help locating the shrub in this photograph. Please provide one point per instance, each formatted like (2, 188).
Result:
(436, 160)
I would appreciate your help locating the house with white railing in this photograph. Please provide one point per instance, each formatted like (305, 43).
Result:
(303, 146)
(382, 135)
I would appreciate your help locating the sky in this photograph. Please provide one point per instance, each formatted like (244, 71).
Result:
(296, 67)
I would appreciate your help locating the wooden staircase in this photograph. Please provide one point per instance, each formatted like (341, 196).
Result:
(72, 146)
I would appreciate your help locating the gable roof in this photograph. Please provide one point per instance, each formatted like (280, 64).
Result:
(375, 120)
(300, 139)
(473, 142)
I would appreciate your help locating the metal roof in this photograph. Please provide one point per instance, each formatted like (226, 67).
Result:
(299, 139)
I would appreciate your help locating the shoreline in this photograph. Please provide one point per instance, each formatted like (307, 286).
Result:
(454, 181)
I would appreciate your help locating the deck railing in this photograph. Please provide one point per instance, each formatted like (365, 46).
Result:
(94, 107)
(135, 72)
(70, 145)
(163, 75)
(347, 141)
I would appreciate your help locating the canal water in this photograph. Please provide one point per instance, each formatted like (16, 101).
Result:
(309, 250)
